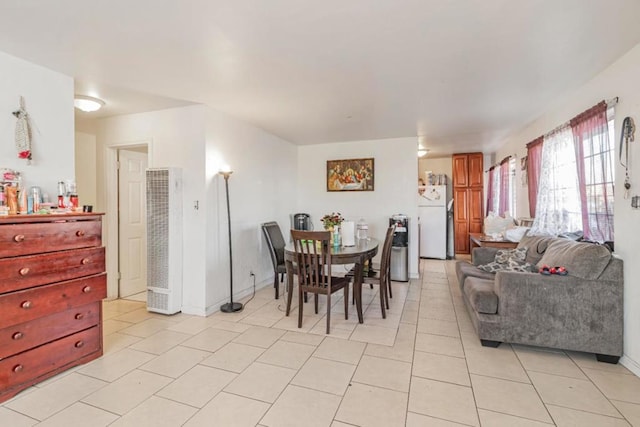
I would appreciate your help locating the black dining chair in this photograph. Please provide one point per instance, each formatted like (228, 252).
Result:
(313, 256)
(276, 243)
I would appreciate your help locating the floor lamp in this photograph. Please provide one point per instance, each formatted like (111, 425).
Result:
(230, 307)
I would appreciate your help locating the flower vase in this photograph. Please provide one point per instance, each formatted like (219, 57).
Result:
(330, 230)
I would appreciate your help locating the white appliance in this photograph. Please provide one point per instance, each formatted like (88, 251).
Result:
(164, 240)
(432, 212)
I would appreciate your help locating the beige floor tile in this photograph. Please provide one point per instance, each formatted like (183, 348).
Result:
(41, 403)
(419, 420)
(440, 367)
(340, 350)
(588, 360)
(123, 305)
(287, 354)
(198, 386)
(147, 327)
(438, 327)
(548, 362)
(409, 316)
(320, 329)
(374, 334)
(160, 342)
(254, 320)
(261, 382)
(78, 415)
(229, 410)
(157, 412)
(509, 397)
(439, 314)
(372, 406)
(228, 326)
(233, 357)
(572, 393)
(385, 373)
(616, 386)
(110, 326)
(401, 350)
(111, 367)
(259, 336)
(497, 419)
(175, 362)
(439, 344)
(191, 326)
(443, 400)
(374, 319)
(470, 341)
(117, 341)
(210, 339)
(566, 417)
(290, 323)
(300, 338)
(339, 424)
(137, 316)
(630, 411)
(127, 392)
(498, 362)
(14, 419)
(325, 375)
(298, 406)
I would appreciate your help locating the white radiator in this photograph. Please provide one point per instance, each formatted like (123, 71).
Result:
(164, 240)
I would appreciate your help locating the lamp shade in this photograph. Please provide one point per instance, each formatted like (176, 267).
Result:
(87, 103)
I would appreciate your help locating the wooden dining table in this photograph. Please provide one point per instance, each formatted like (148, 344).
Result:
(364, 250)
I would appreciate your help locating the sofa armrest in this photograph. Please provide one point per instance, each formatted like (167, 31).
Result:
(483, 255)
(570, 312)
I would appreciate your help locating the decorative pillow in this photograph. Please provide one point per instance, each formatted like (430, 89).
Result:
(509, 260)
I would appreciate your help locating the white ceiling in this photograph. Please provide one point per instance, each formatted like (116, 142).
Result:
(462, 74)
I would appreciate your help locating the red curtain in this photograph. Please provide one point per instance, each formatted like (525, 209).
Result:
(503, 204)
(534, 162)
(595, 172)
(490, 194)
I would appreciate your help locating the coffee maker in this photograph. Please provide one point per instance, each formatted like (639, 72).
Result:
(301, 221)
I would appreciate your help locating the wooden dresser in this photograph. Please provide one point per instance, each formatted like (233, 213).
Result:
(52, 281)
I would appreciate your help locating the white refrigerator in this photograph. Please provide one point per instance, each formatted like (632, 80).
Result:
(432, 212)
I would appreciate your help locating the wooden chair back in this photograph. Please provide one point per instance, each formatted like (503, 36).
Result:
(385, 261)
(313, 256)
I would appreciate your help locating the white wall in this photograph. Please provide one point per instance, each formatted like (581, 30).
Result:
(49, 101)
(85, 157)
(396, 186)
(262, 188)
(620, 79)
(176, 138)
(441, 165)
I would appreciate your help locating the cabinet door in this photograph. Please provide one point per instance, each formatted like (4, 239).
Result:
(476, 216)
(461, 220)
(460, 170)
(475, 170)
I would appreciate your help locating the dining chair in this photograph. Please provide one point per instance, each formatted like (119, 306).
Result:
(313, 257)
(275, 243)
(380, 275)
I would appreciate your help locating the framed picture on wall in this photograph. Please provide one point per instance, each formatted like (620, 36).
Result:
(350, 175)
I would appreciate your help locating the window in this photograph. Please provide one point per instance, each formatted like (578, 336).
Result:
(501, 197)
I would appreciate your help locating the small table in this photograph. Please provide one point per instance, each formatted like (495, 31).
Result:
(363, 250)
(484, 241)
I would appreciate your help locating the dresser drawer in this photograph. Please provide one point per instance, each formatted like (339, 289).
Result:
(24, 306)
(33, 363)
(26, 239)
(18, 338)
(34, 270)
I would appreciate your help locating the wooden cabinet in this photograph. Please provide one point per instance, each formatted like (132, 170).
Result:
(52, 281)
(468, 198)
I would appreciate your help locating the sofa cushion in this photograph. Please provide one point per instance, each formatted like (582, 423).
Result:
(504, 256)
(537, 245)
(583, 260)
(480, 294)
(465, 269)
(508, 259)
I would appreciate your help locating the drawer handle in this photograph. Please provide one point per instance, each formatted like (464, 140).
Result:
(79, 316)
(18, 368)
(24, 271)
(86, 289)
(17, 336)
(80, 233)
(26, 304)
(18, 238)
(85, 261)
(79, 344)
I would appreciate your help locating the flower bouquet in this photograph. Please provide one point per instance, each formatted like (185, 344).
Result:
(331, 220)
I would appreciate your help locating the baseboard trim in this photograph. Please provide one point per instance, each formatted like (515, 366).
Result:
(630, 364)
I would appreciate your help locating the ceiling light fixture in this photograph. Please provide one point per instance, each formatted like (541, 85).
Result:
(87, 104)
(422, 152)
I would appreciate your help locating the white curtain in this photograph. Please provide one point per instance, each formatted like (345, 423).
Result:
(558, 208)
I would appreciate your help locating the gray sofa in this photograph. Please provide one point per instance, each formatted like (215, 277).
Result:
(581, 311)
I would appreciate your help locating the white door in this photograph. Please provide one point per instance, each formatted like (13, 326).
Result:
(132, 227)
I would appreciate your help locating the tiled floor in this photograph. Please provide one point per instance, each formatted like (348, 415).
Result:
(422, 366)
